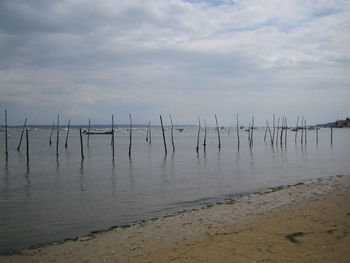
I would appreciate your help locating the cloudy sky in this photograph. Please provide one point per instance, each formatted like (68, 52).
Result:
(91, 58)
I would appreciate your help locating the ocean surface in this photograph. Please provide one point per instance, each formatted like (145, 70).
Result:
(57, 197)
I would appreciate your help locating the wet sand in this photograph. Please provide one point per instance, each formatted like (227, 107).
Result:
(307, 222)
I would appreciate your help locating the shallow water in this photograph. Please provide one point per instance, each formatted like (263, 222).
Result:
(55, 198)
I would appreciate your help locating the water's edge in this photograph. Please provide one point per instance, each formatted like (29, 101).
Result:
(192, 206)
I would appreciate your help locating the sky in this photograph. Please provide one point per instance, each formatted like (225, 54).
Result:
(91, 59)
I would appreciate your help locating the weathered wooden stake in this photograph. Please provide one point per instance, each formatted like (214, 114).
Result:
(302, 130)
(316, 134)
(172, 132)
(58, 133)
(199, 130)
(164, 142)
(265, 132)
(217, 128)
(6, 144)
(237, 131)
(278, 127)
(205, 134)
(147, 129)
(251, 135)
(296, 130)
(271, 138)
(81, 145)
(281, 135)
(150, 133)
(305, 131)
(274, 129)
(331, 135)
(68, 129)
(20, 140)
(88, 134)
(249, 129)
(130, 135)
(112, 139)
(286, 130)
(27, 148)
(53, 128)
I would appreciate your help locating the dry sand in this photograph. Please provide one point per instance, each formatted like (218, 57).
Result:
(307, 222)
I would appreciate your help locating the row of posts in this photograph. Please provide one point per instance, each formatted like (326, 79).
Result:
(277, 134)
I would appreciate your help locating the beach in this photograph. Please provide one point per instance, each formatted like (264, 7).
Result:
(305, 222)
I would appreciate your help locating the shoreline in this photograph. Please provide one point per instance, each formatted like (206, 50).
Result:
(137, 240)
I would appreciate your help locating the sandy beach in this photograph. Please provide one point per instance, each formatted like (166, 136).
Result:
(306, 222)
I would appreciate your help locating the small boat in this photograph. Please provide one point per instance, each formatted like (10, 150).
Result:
(180, 129)
(94, 132)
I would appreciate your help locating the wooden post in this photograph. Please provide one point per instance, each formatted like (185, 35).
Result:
(27, 148)
(150, 133)
(237, 131)
(271, 138)
(172, 132)
(147, 129)
(265, 132)
(286, 130)
(296, 130)
(164, 142)
(199, 130)
(249, 128)
(205, 134)
(331, 135)
(112, 139)
(305, 131)
(81, 145)
(281, 135)
(302, 130)
(20, 140)
(88, 134)
(278, 127)
(6, 144)
(53, 128)
(217, 127)
(58, 133)
(274, 129)
(316, 134)
(251, 135)
(68, 128)
(130, 135)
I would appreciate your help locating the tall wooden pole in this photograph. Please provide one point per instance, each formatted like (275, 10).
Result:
(286, 130)
(6, 144)
(305, 131)
(199, 130)
(147, 131)
(88, 134)
(278, 127)
(237, 131)
(58, 133)
(130, 135)
(164, 142)
(271, 138)
(112, 139)
(205, 134)
(274, 129)
(331, 135)
(282, 129)
(68, 129)
(265, 132)
(172, 132)
(251, 135)
(52, 130)
(20, 140)
(302, 130)
(81, 145)
(217, 128)
(296, 130)
(316, 134)
(150, 133)
(27, 148)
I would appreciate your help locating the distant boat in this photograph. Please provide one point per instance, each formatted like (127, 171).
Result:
(94, 132)
(180, 129)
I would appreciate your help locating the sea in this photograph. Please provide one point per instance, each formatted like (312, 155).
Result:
(50, 197)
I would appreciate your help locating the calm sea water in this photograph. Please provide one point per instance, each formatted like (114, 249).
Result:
(55, 198)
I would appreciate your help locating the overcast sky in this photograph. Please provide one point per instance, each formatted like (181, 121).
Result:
(92, 58)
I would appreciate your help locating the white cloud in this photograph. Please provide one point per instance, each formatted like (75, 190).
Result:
(91, 57)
